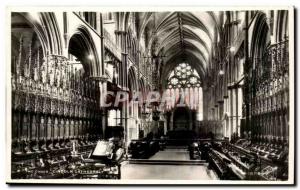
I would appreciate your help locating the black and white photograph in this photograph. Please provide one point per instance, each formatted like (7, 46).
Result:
(150, 95)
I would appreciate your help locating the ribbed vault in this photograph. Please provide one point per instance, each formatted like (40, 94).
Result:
(182, 37)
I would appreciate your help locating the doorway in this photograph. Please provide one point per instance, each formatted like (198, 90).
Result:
(181, 119)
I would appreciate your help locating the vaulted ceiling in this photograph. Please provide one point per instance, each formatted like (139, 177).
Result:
(182, 37)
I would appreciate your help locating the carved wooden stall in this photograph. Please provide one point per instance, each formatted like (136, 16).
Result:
(53, 104)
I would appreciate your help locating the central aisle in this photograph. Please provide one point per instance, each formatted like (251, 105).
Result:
(171, 154)
(168, 172)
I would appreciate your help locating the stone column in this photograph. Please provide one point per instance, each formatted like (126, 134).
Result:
(165, 125)
(103, 90)
(234, 105)
(230, 131)
(221, 116)
(205, 103)
(66, 34)
(172, 121)
(239, 108)
(122, 38)
(247, 66)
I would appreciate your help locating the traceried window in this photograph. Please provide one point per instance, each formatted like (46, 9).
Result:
(183, 76)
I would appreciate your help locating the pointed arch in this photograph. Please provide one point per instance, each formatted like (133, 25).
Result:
(133, 83)
(82, 46)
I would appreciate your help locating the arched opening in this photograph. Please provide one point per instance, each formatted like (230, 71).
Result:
(181, 119)
(82, 66)
(133, 127)
(82, 49)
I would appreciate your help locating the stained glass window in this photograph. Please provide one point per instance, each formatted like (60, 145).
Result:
(183, 76)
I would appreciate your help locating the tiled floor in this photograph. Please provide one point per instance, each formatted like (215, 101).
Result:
(168, 172)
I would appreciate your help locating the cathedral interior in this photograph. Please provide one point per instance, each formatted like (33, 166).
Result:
(235, 64)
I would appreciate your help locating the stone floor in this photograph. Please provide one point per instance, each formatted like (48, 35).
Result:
(171, 154)
(167, 172)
